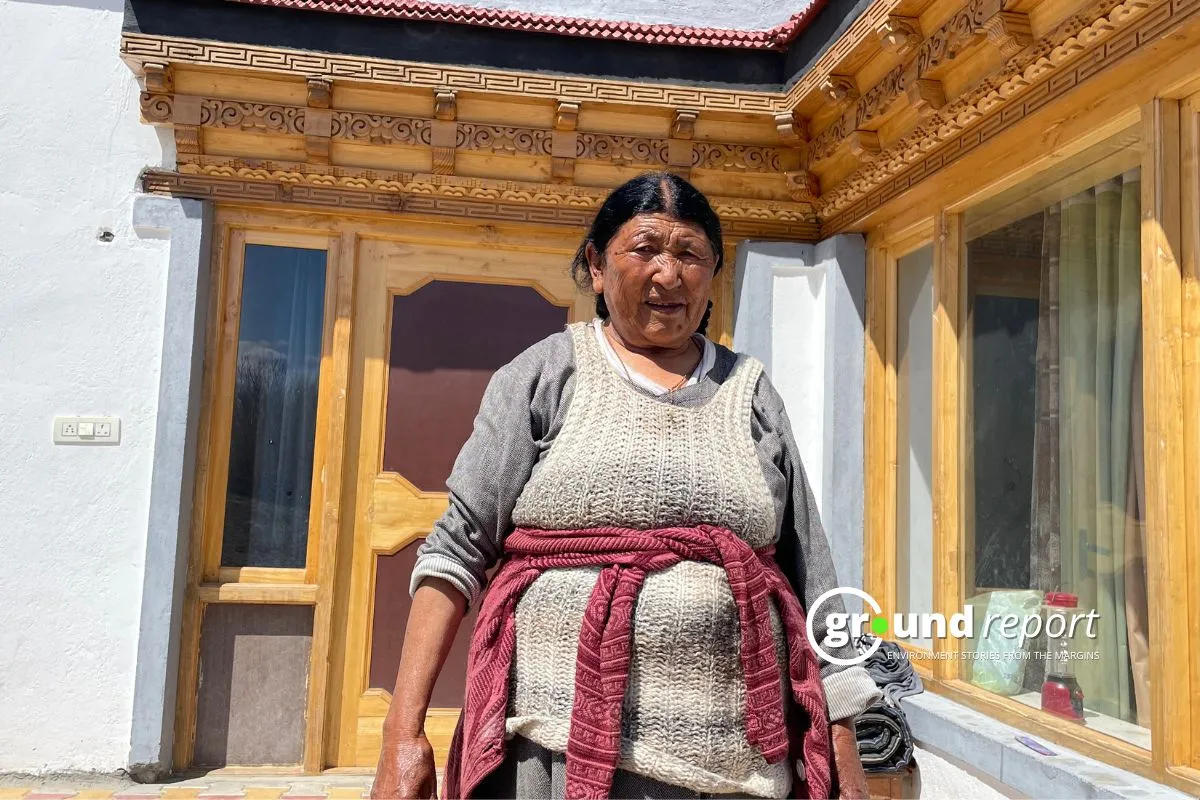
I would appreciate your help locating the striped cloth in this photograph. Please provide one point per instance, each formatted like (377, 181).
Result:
(627, 555)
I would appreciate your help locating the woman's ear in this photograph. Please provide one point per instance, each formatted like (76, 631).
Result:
(595, 267)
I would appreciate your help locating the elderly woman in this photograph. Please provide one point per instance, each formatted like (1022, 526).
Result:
(640, 489)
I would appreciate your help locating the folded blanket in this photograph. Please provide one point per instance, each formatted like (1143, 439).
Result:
(884, 739)
(885, 742)
(891, 670)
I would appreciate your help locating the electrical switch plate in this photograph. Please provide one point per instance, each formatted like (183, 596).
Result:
(87, 430)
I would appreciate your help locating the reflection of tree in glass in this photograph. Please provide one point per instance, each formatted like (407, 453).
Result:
(270, 458)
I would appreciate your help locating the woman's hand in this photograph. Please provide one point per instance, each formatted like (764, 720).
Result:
(406, 770)
(852, 781)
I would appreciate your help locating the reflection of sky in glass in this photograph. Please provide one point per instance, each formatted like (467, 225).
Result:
(276, 279)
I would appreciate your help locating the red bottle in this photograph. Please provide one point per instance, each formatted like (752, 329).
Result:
(1061, 694)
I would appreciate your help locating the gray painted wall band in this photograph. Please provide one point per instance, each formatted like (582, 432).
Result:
(187, 224)
(843, 259)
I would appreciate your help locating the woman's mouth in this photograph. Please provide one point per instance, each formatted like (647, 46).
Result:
(666, 308)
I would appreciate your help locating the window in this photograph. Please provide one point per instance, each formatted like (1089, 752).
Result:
(1055, 459)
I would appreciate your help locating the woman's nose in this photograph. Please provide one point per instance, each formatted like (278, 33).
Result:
(668, 274)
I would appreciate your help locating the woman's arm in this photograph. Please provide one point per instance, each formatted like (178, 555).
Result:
(517, 419)
(406, 768)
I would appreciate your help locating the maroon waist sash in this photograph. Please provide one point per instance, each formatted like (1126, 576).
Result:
(602, 669)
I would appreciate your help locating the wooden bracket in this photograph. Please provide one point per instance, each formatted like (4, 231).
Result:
(1009, 31)
(563, 142)
(159, 77)
(839, 89)
(863, 144)
(792, 128)
(900, 35)
(925, 96)
(803, 186)
(443, 131)
(318, 120)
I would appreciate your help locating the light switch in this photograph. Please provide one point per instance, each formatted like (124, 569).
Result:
(87, 430)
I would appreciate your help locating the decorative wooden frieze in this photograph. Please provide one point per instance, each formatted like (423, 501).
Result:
(1054, 65)
(443, 132)
(1009, 32)
(158, 77)
(738, 157)
(925, 96)
(157, 109)
(803, 186)
(621, 150)
(264, 117)
(900, 35)
(206, 177)
(839, 89)
(502, 139)
(379, 128)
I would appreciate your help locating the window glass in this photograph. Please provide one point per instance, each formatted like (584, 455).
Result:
(914, 442)
(1055, 484)
(274, 408)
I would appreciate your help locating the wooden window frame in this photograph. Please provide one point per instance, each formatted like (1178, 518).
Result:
(1170, 279)
(209, 582)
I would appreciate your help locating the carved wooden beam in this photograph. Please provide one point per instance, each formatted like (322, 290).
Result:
(900, 35)
(1007, 30)
(443, 131)
(318, 120)
(564, 142)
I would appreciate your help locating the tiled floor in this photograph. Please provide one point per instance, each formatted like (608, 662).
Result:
(212, 787)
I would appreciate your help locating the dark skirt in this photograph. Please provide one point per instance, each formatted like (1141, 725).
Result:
(531, 771)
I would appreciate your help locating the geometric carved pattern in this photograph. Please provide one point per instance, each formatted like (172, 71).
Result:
(139, 48)
(340, 187)
(1042, 74)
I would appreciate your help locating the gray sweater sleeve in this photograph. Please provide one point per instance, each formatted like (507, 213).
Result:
(517, 420)
(803, 549)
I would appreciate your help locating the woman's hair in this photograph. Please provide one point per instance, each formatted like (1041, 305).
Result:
(648, 193)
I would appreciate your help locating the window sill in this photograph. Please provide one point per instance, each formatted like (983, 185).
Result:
(990, 746)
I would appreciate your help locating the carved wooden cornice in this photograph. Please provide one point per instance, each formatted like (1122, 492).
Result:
(974, 21)
(139, 49)
(340, 187)
(1051, 68)
(164, 109)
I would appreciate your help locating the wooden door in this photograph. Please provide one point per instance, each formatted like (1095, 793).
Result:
(432, 323)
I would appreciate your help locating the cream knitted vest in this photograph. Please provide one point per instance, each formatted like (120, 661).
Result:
(624, 458)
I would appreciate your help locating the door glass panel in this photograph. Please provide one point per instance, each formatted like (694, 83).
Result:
(274, 408)
(448, 337)
(914, 441)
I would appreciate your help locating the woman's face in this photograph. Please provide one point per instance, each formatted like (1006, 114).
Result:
(656, 277)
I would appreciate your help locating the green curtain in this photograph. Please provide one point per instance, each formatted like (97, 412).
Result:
(1099, 327)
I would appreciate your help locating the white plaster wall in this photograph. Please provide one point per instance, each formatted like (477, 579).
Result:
(699, 13)
(80, 334)
(798, 362)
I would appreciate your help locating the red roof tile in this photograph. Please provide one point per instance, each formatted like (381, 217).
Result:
(776, 38)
